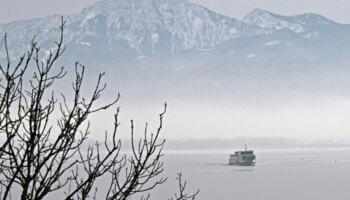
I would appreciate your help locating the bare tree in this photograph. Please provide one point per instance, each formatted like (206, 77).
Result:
(38, 158)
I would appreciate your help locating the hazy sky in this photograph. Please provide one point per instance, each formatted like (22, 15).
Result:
(321, 119)
(11, 10)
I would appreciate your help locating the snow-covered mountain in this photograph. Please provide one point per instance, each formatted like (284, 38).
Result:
(185, 43)
(149, 23)
(272, 22)
(146, 26)
(156, 27)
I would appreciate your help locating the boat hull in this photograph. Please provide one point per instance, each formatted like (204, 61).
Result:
(242, 164)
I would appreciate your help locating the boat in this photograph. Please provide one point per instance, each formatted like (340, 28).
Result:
(242, 158)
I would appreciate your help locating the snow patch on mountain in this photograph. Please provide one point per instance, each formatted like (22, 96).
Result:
(85, 43)
(272, 43)
(251, 56)
(313, 34)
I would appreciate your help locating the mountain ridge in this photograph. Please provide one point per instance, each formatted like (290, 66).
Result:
(155, 27)
(184, 44)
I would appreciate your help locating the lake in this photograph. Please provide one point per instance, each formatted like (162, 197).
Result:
(282, 174)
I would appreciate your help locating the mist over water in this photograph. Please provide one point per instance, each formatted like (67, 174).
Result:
(307, 119)
(289, 174)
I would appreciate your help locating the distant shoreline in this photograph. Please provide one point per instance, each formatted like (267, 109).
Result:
(259, 143)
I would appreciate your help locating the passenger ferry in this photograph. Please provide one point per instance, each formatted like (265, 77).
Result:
(242, 158)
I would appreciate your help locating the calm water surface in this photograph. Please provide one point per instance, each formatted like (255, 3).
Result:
(296, 174)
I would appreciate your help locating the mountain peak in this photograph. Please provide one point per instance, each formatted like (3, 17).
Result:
(312, 18)
(256, 14)
(138, 6)
(259, 11)
(186, 24)
(268, 20)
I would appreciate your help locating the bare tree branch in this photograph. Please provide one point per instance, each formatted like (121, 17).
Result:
(182, 195)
